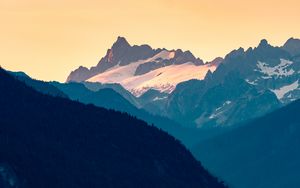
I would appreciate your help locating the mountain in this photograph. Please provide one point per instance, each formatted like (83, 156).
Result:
(267, 68)
(105, 97)
(54, 142)
(121, 53)
(292, 46)
(40, 86)
(81, 92)
(261, 153)
(117, 88)
(153, 101)
(140, 68)
(192, 93)
(206, 104)
(108, 98)
(247, 84)
(113, 96)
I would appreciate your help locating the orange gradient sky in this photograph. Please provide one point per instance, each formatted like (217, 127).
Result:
(49, 38)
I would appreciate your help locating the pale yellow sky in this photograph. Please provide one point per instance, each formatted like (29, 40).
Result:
(49, 38)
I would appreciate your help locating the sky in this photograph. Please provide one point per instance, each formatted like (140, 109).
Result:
(48, 39)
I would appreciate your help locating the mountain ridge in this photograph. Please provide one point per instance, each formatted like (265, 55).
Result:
(261, 153)
(139, 68)
(265, 68)
(51, 141)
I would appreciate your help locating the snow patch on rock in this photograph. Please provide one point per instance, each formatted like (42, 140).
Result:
(163, 79)
(251, 82)
(160, 98)
(219, 111)
(280, 70)
(280, 93)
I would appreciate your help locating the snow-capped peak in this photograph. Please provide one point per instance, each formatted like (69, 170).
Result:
(140, 68)
(164, 78)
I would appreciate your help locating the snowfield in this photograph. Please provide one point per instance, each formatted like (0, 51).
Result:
(280, 70)
(280, 93)
(163, 79)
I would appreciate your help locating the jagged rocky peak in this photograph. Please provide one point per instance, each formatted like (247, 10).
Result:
(121, 42)
(292, 46)
(118, 49)
(79, 75)
(121, 53)
(235, 53)
(120, 46)
(181, 57)
(263, 43)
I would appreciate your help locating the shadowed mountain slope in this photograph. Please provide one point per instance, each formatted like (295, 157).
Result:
(54, 142)
(262, 153)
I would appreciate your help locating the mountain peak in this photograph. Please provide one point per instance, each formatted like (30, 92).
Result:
(121, 42)
(292, 46)
(292, 39)
(263, 43)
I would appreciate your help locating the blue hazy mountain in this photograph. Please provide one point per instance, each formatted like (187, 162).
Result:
(103, 97)
(51, 142)
(111, 96)
(116, 87)
(153, 101)
(207, 104)
(247, 84)
(40, 86)
(110, 99)
(292, 46)
(266, 67)
(262, 153)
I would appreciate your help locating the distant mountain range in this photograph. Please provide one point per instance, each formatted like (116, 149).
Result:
(267, 68)
(246, 84)
(115, 97)
(140, 68)
(206, 104)
(238, 114)
(49, 141)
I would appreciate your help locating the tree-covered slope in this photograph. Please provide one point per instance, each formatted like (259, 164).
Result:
(54, 142)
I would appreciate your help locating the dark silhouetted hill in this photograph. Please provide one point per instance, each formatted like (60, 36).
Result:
(53, 142)
(40, 86)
